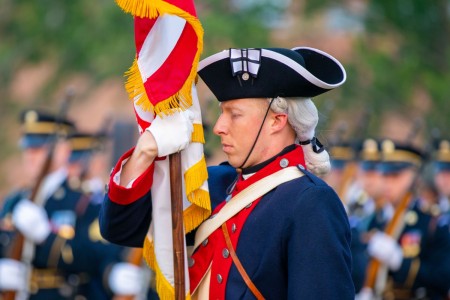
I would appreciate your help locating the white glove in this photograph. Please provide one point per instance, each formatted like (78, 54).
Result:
(125, 279)
(31, 220)
(386, 250)
(365, 294)
(173, 132)
(13, 275)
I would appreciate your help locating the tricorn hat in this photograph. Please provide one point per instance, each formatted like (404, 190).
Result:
(271, 72)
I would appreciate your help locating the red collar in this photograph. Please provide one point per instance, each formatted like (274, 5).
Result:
(292, 158)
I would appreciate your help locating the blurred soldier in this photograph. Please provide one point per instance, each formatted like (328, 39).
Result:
(364, 198)
(409, 252)
(87, 163)
(343, 169)
(364, 195)
(62, 261)
(442, 174)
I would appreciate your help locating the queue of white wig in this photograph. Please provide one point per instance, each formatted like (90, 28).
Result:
(303, 117)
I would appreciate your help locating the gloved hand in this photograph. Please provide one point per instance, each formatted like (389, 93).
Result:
(365, 294)
(13, 275)
(31, 220)
(386, 250)
(173, 132)
(125, 279)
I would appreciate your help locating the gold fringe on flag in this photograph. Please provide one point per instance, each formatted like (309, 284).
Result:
(134, 84)
(165, 290)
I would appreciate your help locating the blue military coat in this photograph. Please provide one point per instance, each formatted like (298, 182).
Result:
(294, 242)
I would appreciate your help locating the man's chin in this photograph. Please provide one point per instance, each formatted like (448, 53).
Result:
(233, 162)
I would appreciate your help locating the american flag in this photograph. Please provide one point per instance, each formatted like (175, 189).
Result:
(169, 41)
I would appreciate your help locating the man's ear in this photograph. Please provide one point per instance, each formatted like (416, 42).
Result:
(279, 121)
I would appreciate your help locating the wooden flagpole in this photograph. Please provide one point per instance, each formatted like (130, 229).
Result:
(176, 197)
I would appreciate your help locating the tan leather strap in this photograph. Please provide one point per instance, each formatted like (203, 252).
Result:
(239, 266)
(244, 198)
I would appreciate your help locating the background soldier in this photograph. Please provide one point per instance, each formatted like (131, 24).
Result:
(65, 258)
(408, 251)
(441, 161)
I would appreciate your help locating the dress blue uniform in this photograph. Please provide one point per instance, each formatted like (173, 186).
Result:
(425, 242)
(73, 260)
(424, 239)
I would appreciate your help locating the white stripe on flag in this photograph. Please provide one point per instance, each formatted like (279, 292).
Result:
(165, 33)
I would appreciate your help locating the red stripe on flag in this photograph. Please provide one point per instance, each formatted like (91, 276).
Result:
(142, 27)
(171, 76)
(143, 124)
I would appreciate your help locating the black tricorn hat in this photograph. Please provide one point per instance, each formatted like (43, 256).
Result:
(271, 72)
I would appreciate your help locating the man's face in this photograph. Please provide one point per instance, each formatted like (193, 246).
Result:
(396, 185)
(442, 181)
(33, 160)
(371, 182)
(238, 126)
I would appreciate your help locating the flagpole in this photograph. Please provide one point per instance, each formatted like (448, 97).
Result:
(177, 224)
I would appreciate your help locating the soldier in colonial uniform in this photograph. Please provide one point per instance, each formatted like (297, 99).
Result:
(293, 242)
(408, 250)
(59, 261)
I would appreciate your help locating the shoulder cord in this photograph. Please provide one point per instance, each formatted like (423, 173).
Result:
(239, 266)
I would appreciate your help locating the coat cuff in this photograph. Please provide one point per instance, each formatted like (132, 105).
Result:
(140, 187)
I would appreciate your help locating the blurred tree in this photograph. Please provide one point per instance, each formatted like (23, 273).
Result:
(402, 57)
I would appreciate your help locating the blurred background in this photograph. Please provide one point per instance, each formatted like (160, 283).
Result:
(396, 53)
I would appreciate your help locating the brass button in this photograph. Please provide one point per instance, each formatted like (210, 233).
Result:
(233, 228)
(219, 278)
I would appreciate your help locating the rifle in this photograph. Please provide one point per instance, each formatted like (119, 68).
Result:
(393, 230)
(18, 243)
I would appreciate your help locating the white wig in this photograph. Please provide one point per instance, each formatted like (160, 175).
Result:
(303, 117)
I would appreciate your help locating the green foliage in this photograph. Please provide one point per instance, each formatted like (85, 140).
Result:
(404, 49)
(226, 27)
(79, 35)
